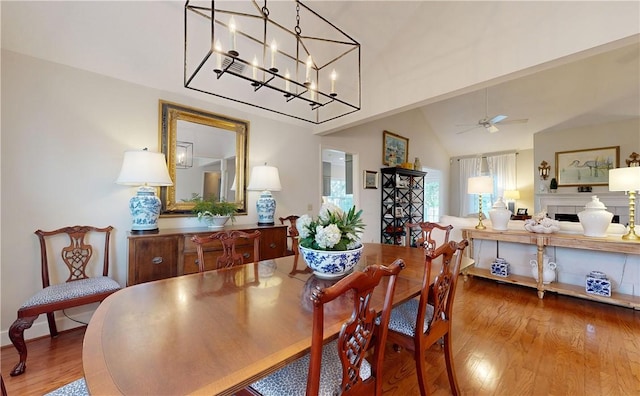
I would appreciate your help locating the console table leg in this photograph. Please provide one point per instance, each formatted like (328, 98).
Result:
(541, 294)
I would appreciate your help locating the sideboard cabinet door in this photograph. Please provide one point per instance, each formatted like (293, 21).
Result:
(152, 258)
(273, 243)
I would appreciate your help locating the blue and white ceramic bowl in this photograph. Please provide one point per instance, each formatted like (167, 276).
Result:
(331, 264)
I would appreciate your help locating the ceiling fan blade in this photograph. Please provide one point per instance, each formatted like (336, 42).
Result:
(492, 129)
(519, 121)
(468, 129)
(497, 119)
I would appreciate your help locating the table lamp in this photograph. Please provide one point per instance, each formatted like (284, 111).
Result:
(511, 196)
(146, 169)
(480, 185)
(266, 179)
(627, 180)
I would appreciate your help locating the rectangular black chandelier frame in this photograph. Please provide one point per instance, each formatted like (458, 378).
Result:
(230, 63)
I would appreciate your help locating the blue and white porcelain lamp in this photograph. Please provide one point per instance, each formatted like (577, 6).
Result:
(266, 179)
(148, 170)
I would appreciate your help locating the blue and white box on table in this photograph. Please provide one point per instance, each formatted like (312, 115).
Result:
(500, 267)
(597, 283)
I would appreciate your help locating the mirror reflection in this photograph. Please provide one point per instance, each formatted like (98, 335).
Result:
(206, 156)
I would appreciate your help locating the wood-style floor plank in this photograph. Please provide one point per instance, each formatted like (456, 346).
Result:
(506, 342)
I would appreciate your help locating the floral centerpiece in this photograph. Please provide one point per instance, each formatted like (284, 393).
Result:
(331, 244)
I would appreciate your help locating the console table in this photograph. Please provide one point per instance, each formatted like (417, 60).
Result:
(608, 244)
(170, 252)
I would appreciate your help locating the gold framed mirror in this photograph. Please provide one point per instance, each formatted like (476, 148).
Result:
(206, 155)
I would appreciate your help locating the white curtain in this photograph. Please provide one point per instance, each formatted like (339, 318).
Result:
(469, 167)
(503, 170)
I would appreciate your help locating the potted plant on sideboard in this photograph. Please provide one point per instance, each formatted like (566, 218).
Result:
(213, 212)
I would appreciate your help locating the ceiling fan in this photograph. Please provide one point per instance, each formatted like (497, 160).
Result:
(490, 123)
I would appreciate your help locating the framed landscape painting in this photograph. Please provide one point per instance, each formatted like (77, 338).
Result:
(588, 167)
(394, 146)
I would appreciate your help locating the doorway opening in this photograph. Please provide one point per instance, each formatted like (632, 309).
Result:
(337, 178)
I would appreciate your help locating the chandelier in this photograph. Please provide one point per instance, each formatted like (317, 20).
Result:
(265, 57)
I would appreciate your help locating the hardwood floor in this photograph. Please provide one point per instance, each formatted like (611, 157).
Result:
(506, 342)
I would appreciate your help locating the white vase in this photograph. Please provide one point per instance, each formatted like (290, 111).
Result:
(500, 215)
(328, 264)
(595, 219)
(215, 222)
(548, 270)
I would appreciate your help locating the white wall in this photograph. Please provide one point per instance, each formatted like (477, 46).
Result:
(64, 132)
(366, 141)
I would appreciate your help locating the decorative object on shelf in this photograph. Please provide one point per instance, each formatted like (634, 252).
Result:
(330, 244)
(541, 224)
(627, 180)
(553, 186)
(184, 155)
(582, 189)
(597, 283)
(594, 218)
(499, 215)
(148, 170)
(213, 212)
(634, 159)
(511, 196)
(500, 267)
(548, 270)
(264, 57)
(370, 179)
(394, 147)
(417, 165)
(480, 185)
(586, 167)
(544, 169)
(266, 179)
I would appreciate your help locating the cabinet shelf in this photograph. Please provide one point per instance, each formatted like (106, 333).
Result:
(403, 190)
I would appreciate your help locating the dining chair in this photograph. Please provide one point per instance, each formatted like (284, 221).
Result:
(340, 366)
(431, 234)
(82, 286)
(229, 240)
(292, 232)
(434, 310)
(75, 388)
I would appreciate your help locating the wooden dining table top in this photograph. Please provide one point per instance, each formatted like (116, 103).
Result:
(216, 332)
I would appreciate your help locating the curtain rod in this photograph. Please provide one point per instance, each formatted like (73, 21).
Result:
(486, 155)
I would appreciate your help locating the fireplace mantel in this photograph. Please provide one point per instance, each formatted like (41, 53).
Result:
(573, 203)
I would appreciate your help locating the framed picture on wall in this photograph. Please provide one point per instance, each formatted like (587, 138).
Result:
(588, 167)
(395, 149)
(370, 179)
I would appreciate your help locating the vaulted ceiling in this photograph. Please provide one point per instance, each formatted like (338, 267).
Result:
(142, 42)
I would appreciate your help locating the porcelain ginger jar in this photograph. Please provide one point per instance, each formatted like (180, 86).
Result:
(548, 270)
(499, 215)
(595, 219)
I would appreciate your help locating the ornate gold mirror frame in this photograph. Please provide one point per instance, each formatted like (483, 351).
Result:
(170, 114)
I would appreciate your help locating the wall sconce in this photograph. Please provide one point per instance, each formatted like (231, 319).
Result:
(145, 169)
(544, 169)
(627, 180)
(480, 185)
(184, 155)
(634, 159)
(266, 179)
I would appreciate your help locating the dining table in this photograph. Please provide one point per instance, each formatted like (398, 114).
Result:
(217, 332)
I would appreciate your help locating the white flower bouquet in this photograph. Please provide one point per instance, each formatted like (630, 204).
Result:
(333, 230)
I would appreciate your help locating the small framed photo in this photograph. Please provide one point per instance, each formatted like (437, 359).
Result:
(370, 179)
(522, 211)
(395, 149)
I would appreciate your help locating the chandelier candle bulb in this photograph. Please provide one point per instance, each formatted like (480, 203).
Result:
(333, 82)
(287, 86)
(312, 89)
(218, 48)
(255, 67)
(232, 35)
(274, 49)
(307, 78)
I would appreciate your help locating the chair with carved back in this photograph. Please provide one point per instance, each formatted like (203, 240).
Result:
(434, 310)
(228, 240)
(340, 366)
(80, 288)
(292, 232)
(428, 238)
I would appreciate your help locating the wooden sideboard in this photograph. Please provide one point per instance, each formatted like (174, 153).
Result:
(608, 244)
(171, 253)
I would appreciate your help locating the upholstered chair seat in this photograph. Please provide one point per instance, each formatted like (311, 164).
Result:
(70, 290)
(75, 388)
(403, 318)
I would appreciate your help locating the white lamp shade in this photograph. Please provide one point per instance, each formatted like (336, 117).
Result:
(480, 185)
(624, 179)
(142, 167)
(512, 195)
(264, 178)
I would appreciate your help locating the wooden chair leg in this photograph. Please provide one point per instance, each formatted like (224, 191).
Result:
(16, 335)
(53, 329)
(448, 359)
(421, 370)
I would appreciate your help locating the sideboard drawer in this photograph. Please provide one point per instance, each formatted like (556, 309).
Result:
(152, 259)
